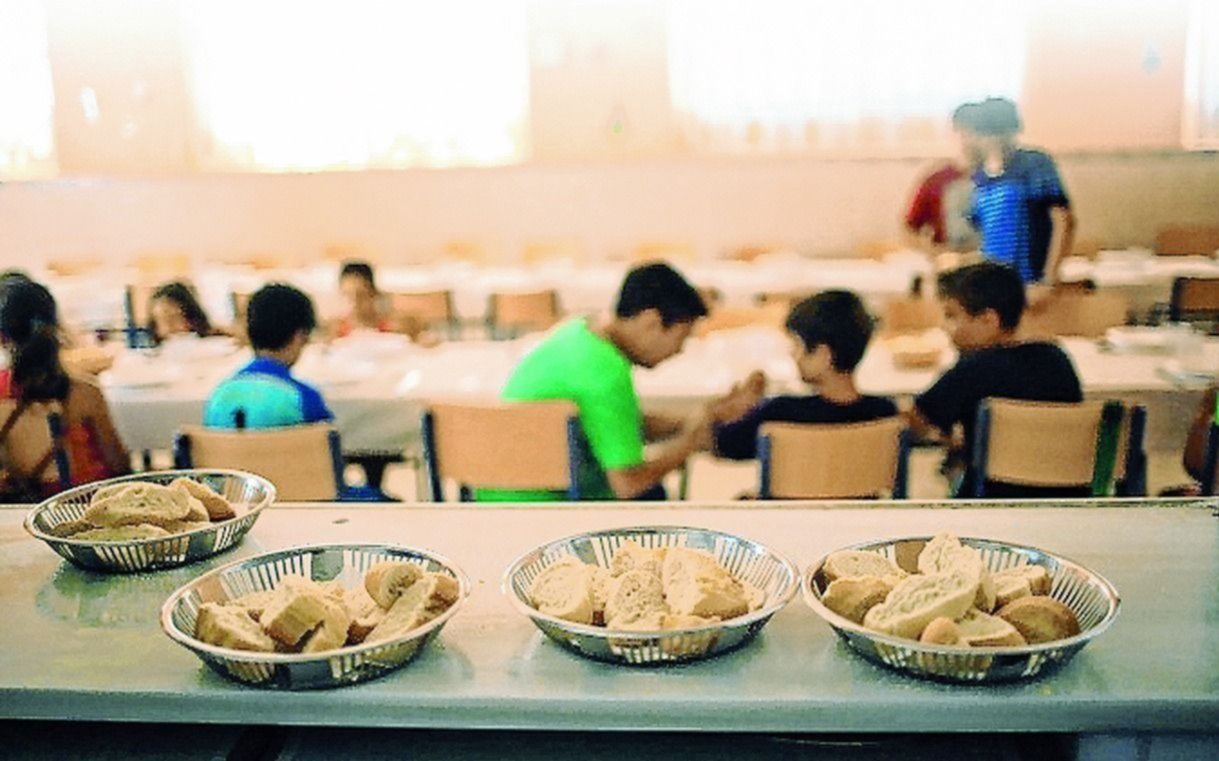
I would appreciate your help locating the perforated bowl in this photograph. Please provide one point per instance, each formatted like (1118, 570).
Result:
(345, 563)
(746, 560)
(1088, 594)
(250, 494)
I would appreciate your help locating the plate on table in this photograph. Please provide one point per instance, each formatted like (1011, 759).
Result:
(1141, 339)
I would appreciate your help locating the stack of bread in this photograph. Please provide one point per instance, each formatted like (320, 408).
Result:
(300, 615)
(952, 600)
(130, 511)
(644, 590)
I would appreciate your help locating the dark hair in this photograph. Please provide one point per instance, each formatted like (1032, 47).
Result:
(983, 286)
(182, 295)
(994, 117)
(276, 313)
(836, 319)
(29, 321)
(658, 286)
(361, 270)
(13, 274)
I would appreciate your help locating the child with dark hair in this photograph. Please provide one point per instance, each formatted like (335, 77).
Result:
(983, 304)
(279, 321)
(829, 333)
(589, 362)
(30, 335)
(174, 310)
(367, 308)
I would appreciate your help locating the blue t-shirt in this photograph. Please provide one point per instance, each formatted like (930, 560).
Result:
(1012, 211)
(270, 397)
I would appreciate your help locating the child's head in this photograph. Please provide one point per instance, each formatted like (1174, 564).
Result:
(829, 332)
(358, 285)
(982, 304)
(174, 310)
(29, 331)
(279, 319)
(967, 136)
(996, 122)
(658, 308)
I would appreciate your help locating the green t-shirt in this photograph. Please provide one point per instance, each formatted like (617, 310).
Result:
(576, 364)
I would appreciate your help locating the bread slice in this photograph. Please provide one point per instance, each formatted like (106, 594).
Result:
(918, 600)
(297, 608)
(600, 593)
(185, 527)
(365, 614)
(121, 533)
(386, 581)
(945, 554)
(216, 506)
(253, 603)
(755, 597)
(231, 627)
(633, 596)
(564, 589)
(420, 603)
(630, 556)
(681, 563)
(1010, 588)
(709, 591)
(1037, 577)
(70, 528)
(846, 564)
(853, 597)
(1040, 619)
(942, 631)
(980, 629)
(331, 634)
(137, 503)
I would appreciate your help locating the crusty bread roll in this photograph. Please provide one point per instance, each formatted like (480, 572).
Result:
(1040, 619)
(681, 563)
(708, 591)
(423, 601)
(365, 613)
(1009, 588)
(980, 629)
(216, 506)
(942, 631)
(387, 580)
(600, 593)
(228, 626)
(564, 589)
(121, 533)
(253, 603)
(185, 527)
(634, 595)
(331, 634)
(135, 504)
(918, 600)
(945, 554)
(70, 528)
(630, 556)
(296, 608)
(846, 564)
(853, 597)
(1038, 578)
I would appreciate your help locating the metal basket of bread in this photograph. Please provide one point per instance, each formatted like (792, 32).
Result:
(960, 610)
(316, 616)
(153, 520)
(651, 595)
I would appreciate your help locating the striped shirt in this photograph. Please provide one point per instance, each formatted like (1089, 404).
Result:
(1012, 211)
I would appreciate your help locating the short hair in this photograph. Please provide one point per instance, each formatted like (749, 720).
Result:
(362, 270)
(995, 117)
(276, 313)
(983, 286)
(836, 319)
(658, 286)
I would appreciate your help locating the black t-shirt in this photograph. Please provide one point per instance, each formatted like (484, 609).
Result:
(1038, 371)
(739, 440)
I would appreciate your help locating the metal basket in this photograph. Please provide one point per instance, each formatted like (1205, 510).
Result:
(746, 560)
(136, 555)
(345, 563)
(1088, 594)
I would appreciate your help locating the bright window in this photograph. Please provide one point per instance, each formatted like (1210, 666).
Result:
(1200, 117)
(863, 76)
(27, 102)
(283, 85)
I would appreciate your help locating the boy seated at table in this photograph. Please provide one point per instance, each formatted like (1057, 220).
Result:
(983, 304)
(264, 394)
(588, 361)
(829, 333)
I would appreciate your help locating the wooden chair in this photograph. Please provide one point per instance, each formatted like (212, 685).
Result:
(31, 445)
(1187, 240)
(167, 265)
(239, 301)
(1194, 299)
(73, 267)
(807, 461)
(1077, 314)
(428, 307)
(510, 314)
(1053, 445)
(911, 315)
(484, 446)
(1130, 465)
(304, 462)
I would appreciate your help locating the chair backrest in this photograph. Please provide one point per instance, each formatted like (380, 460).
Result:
(1048, 444)
(911, 315)
(164, 265)
(814, 461)
(31, 443)
(137, 301)
(1187, 240)
(304, 462)
(1077, 313)
(538, 310)
(1130, 465)
(483, 446)
(1194, 298)
(430, 307)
